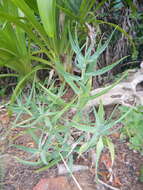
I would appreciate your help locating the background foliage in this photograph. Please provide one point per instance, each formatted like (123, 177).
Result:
(133, 129)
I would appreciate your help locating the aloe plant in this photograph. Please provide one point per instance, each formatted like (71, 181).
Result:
(51, 130)
(46, 113)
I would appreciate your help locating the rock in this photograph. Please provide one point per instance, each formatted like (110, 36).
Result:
(63, 170)
(100, 187)
(128, 92)
(58, 183)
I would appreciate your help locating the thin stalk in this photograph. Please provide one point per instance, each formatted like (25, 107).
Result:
(75, 180)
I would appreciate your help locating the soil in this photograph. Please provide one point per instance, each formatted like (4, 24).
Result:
(125, 171)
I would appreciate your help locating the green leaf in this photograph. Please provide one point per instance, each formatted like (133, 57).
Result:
(51, 164)
(29, 13)
(47, 10)
(44, 61)
(43, 156)
(52, 96)
(99, 51)
(27, 149)
(111, 148)
(20, 85)
(99, 149)
(83, 148)
(65, 109)
(68, 77)
(107, 89)
(123, 116)
(38, 163)
(85, 7)
(25, 26)
(74, 5)
(32, 4)
(83, 127)
(8, 75)
(105, 69)
(92, 142)
(33, 135)
(101, 112)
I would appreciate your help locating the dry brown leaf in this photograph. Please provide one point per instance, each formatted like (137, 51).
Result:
(116, 135)
(4, 118)
(105, 158)
(117, 182)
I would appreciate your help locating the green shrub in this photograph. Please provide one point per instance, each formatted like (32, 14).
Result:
(133, 128)
(57, 134)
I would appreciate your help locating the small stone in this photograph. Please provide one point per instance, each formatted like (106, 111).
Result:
(141, 65)
(100, 187)
(59, 183)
